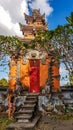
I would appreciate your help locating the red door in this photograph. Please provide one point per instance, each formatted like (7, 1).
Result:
(34, 75)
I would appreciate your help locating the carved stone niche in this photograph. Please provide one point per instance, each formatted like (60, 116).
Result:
(34, 54)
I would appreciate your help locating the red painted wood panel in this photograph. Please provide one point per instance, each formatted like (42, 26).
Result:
(35, 76)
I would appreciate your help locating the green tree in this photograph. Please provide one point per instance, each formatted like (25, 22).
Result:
(70, 20)
(58, 43)
(63, 44)
(10, 45)
(3, 82)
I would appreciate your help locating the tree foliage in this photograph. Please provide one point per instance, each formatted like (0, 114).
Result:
(3, 82)
(70, 20)
(10, 45)
(63, 40)
(59, 43)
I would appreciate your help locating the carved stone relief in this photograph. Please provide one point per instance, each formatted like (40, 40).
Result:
(34, 54)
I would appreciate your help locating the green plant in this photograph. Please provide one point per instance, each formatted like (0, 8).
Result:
(4, 122)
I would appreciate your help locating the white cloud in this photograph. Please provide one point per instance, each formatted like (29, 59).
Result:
(5, 18)
(12, 12)
(43, 5)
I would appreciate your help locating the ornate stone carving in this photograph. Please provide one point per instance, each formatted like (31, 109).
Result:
(34, 54)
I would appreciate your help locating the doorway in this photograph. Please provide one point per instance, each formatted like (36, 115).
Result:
(34, 75)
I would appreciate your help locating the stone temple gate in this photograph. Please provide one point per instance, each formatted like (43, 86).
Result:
(34, 67)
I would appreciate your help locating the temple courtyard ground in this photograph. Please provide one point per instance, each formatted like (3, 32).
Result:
(46, 122)
(54, 122)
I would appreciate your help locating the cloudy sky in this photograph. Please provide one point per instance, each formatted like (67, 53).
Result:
(12, 13)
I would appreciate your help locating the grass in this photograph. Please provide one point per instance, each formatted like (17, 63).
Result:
(4, 122)
(67, 116)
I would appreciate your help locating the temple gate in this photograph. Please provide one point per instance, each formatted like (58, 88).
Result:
(35, 67)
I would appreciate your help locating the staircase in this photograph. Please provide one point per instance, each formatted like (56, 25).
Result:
(26, 117)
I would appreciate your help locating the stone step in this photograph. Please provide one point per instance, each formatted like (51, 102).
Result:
(31, 97)
(23, 120)
(24, 111)
(30, 101)
(32, 94)
(5, 114)
(24, 116)
(28, 106)
(23, 125)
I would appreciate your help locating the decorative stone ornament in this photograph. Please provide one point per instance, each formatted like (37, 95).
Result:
(34, 54)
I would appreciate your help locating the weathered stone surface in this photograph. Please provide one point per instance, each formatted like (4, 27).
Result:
(24, 125)
(26, 117)
(24, 111)
(29, 106)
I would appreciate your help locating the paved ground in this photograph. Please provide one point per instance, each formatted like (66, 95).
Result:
(55, 123)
